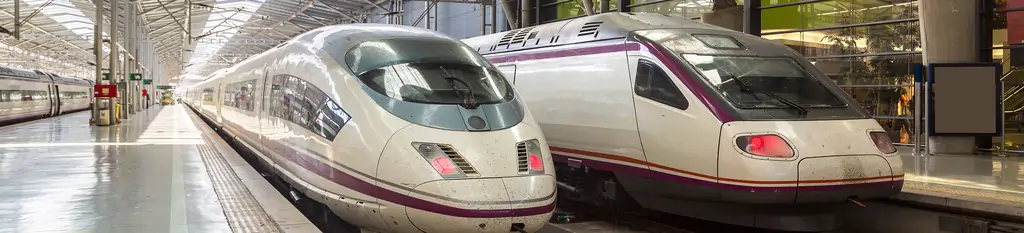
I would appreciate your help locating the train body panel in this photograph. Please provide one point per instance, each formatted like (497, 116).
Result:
(693, 119)
(556, 86)
(338, 112)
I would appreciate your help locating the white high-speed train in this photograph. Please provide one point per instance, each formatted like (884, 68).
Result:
(696, 120)
(395, 128)
(26, 94)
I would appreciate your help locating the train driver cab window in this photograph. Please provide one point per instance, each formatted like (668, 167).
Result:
(428, 71)
(763, 82)
(654, 84)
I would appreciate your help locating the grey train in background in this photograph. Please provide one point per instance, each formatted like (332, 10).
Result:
(27, 94)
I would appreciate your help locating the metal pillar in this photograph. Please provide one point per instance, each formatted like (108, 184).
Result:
(131, 40)
(494, 17)
(525, 10)
(606, 6)
(752, 17)
(483, 18)
(17, 19)
(114, 53)
(97, 49)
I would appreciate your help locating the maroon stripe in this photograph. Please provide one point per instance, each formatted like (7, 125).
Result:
(648, 173)
(309, 162)
(563, 53)
(691, 83)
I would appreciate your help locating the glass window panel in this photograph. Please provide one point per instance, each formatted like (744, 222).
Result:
(885, 102)
(894, 37)
(871, 70)
(833, 13)
(683, 8)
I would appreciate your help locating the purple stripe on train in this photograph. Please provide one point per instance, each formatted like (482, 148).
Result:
(306, 160)
(614, 167)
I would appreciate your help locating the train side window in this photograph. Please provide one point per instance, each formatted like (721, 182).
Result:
(277, 95)
(329, 120)
(652, 83)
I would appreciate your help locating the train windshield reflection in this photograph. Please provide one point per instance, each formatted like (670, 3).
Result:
(430, 71)
(780, 76)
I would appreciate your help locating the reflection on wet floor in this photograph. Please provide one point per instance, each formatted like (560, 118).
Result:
(985, 172)
(62, 175)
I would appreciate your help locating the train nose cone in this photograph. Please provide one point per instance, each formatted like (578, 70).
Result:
(484, 205)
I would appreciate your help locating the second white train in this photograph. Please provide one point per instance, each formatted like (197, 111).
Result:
(697, 120)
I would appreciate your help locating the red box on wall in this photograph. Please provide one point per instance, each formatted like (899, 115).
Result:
(105, 91)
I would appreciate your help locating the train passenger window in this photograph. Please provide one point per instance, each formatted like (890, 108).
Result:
(652, 83)
(14, 96)
(314, 98)
(329, 120)
(299, 102)
(277, 95)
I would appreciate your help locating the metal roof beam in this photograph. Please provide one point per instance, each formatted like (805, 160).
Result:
(172, 14)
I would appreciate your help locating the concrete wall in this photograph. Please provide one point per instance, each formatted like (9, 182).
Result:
(458, 20)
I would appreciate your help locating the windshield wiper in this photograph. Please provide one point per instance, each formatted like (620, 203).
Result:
(468, 98)
(744, 86)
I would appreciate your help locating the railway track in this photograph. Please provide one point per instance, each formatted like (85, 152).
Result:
(574, 216)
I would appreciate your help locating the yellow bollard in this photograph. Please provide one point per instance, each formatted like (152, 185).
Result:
(118, 111)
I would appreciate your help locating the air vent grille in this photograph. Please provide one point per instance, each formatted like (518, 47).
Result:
(516, 37)
(459, 160)
(589, 29)
(522, 157)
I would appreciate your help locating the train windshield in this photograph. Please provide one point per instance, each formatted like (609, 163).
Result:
(763, 82)
(429, 71)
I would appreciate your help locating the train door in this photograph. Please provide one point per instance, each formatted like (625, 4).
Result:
(218, 100)
(675, 130)
(56, 101)
(50, 103)
(509, 71)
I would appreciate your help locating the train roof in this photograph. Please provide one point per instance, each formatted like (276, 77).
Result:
(72, 80)
(598, 27)
(336, 41)
(22, 73)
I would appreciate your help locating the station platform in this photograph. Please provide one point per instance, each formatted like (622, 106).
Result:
(162, 170)
(983, 185)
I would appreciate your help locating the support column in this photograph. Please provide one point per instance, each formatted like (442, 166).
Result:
(17, 19)
(752, 17)
(114, 53)
(97, 49)
(525, 10)
(508, 6)
(946, 37)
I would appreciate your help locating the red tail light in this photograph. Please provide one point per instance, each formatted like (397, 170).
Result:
(766, 145)
(529, 157)
(444, 166)
(535, 163)
(882, 142)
